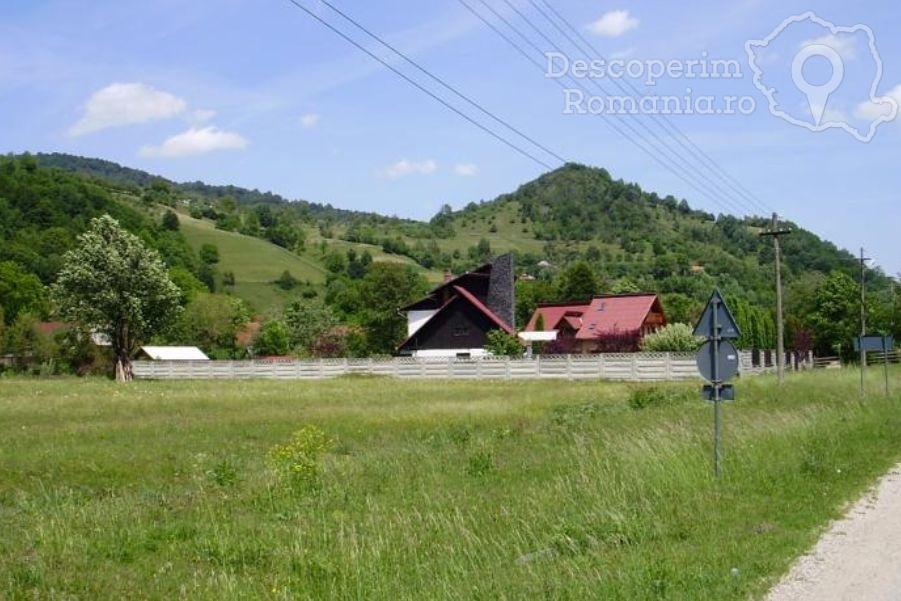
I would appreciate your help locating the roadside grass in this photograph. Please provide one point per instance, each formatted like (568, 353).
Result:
(427, 490)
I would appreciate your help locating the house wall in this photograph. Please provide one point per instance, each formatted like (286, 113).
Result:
(475, 353)
(460, 326)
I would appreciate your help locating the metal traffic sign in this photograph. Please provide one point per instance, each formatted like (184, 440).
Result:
(874, 343)
(727, 393)
(718, 362)
(723, 355)
(717, 315)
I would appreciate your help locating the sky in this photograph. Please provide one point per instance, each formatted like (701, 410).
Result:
(260, 94)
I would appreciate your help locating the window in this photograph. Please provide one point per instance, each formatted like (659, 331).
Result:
(460, 330)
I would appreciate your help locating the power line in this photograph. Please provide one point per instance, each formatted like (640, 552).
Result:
(697, 184)
(684, 139)
(420, 87)
(740, 207)
(443, 83)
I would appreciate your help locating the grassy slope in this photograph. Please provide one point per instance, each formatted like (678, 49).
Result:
(460, 490)
(256, 263)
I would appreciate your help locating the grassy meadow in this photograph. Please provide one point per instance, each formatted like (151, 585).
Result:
(426, 490)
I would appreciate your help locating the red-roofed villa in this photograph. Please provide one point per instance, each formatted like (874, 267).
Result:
(615, 322)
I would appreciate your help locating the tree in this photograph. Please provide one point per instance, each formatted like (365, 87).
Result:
(20, 291)
(578, 282)
(835, 320)
(274, 339)
(170, 220)
(309, 320)
(187, 282)
(113, 285)
(673, 338)
(386, 288)
(212, 321)
(286, 281)
(502, 344)
(28, 344)
(209, 254)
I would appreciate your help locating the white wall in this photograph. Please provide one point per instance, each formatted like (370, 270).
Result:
(475, 353)
(417, 319)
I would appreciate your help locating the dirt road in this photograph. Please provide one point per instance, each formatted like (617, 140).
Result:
(859, 557)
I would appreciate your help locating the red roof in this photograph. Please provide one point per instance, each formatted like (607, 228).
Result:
(553, 314)
(50, 327)
(605, 314)
(247, 334)
(608, 314)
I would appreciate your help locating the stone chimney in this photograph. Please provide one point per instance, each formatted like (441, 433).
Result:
(501, 296)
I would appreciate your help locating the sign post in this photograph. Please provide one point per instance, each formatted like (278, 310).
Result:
(718, 362)
(874, 343)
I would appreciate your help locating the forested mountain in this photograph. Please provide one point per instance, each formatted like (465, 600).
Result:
(630, 239)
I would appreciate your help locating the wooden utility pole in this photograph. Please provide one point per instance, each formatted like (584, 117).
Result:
(775, 232)
(863, 315)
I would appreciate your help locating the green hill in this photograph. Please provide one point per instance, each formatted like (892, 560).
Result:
(631, 238)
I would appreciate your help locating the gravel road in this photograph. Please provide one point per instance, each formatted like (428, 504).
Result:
(859, 557)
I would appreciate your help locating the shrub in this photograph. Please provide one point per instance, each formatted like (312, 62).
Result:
(653, 396)
(674, 338)
(502, 344)
(298, 460)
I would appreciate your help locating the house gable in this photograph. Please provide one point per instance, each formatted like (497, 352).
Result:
(458, 325)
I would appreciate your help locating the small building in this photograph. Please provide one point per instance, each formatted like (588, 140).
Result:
(609, 323)
(172, 353)
(455, 318)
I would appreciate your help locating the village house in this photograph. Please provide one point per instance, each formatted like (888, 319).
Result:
(608, 323)
(455, 318)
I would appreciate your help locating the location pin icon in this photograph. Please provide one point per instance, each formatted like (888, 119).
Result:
(818, 96)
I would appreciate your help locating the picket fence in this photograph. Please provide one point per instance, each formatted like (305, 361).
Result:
(634, 367)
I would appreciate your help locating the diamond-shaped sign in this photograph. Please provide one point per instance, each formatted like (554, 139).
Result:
(725, 323)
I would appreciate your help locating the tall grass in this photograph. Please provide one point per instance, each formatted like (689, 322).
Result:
(426, 490)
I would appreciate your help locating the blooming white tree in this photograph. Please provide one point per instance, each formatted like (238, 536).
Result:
(115, 286)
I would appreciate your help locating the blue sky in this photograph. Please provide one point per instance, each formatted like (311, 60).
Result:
(258, 94)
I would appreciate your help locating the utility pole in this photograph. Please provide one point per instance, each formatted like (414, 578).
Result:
(775, 232)
(863, 315)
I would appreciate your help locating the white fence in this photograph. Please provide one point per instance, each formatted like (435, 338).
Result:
(635, 367)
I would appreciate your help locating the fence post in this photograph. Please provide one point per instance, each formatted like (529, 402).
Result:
(569, 367)
(603, 362)
(669, 366)
(634, 367)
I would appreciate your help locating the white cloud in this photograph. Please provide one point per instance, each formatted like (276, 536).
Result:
(126, 104)
(404, 168)
(466, 169)
(196, 141)
(844, 44)
(310, 120)
(870, 111)
(613, 24)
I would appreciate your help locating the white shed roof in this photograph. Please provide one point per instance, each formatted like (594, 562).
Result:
(175, 353)
(539, 336)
